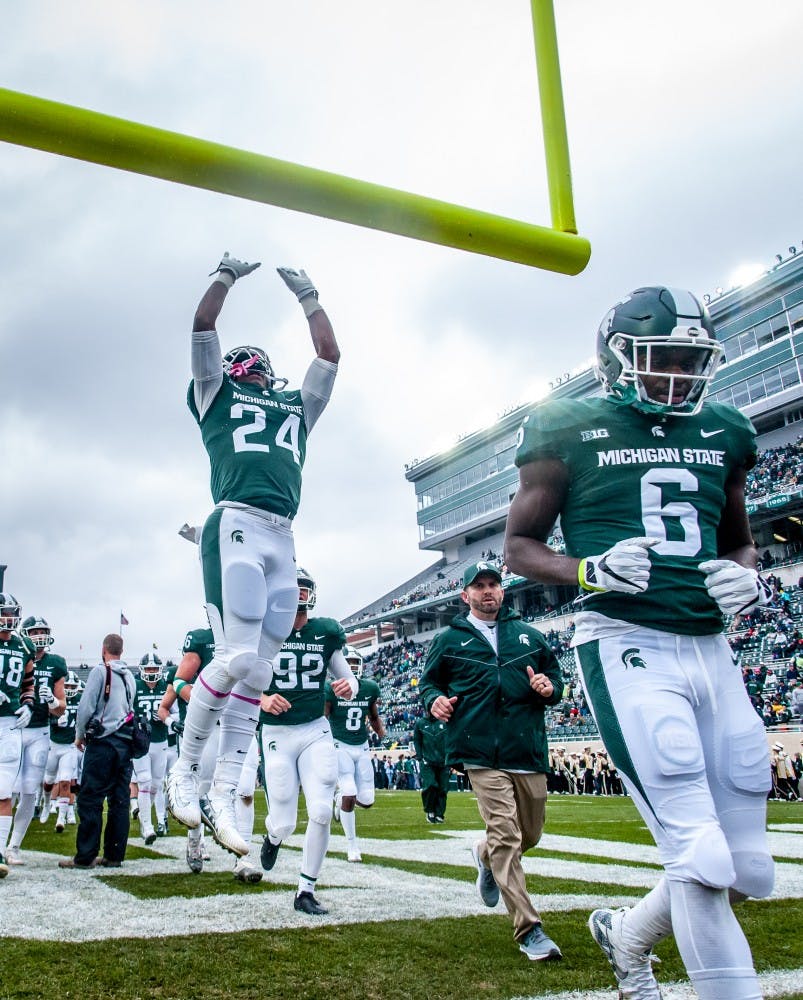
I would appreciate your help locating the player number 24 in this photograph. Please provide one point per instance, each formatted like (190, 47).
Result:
(286, 436)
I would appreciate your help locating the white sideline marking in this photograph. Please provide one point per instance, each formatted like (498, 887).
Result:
(777, 983)
(43, 902)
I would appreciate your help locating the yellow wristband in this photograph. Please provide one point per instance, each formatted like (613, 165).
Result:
(583, 581)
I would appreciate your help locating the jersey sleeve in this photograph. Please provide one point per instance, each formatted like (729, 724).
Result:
(742, 435)
(316, 389)
(207, 371)
(544, 433)
(58, 670)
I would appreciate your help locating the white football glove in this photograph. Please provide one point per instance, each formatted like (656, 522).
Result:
(23, 714)
(236, 268)
(625, 567)
(63, 721)
(4, 698)
(735, 588)
(46, 696)
(298, 282)
(174, 726)
(155, 716)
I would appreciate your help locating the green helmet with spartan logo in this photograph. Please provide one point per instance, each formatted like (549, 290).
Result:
(664, 334)
(306, 589)
(38, 631)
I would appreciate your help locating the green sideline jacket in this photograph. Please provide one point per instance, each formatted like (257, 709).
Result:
(429, 740)
(498, 719)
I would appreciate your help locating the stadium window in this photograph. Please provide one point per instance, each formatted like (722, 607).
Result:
(755, 388)
(741, 397)
(789, 374)
(772, 381)
(747, 342)
(763, 334)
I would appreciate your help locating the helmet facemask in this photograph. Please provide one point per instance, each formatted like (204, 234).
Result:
(72, 686)
(150, 668)
(657, 351)
(306, 590)
(355, 661)
(251, 361)
(698, 358)
(38, 631)
(10, 613)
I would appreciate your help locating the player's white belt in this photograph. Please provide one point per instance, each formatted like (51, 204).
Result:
(266, 515)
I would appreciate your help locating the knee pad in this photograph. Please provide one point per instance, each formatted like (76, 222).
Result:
(281, 832)
(708, 860)
(244, 590)
(320, 811)
(755, 873)
(366, 800)
(245, 665)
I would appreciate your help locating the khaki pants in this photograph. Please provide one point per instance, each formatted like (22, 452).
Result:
(512, 806)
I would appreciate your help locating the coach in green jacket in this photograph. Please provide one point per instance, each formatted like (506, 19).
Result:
(489, 676)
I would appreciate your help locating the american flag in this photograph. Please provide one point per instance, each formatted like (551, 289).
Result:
(123, 620)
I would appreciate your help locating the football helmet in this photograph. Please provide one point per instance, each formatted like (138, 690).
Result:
(72, 686)
(43, 638)
(150, 668)
(354, 660)
(249, 360)
(306, 590)
(9, 613)
(664, 335)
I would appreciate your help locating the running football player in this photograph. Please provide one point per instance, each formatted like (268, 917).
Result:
(61, 771)
(16, 708)
(349, 719)
(49, 702)
(149, 771)
(255, 433)
(297, 747)
(649, 486)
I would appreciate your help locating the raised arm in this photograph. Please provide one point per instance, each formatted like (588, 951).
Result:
(323, 336)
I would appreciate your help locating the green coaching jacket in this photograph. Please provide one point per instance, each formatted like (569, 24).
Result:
(498, 719)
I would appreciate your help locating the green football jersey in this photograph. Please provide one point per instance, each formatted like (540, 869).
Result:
(349, 719)
(65, 733)
(257, 442)
(48, 669)
(633, 474)
(15, 652)
(147, 700)
(299, 671)
(201, 642)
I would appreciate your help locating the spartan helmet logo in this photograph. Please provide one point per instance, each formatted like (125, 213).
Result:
(237, 536)
(658, 432)
(632, 658)
(524, 639)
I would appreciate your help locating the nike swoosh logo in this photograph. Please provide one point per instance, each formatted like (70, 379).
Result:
(710, 434)
(280, 609)
(319, 637)
(466, 642)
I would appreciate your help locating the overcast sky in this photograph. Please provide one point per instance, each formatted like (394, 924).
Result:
(685, 132)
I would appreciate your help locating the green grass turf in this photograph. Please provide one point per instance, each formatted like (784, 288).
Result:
(443, 959)
(447, 959)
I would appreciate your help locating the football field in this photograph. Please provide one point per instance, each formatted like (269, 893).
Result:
(406, 924)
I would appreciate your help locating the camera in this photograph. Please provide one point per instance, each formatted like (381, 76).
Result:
(94, 729)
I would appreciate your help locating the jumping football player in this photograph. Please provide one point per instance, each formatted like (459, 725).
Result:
(649, 485)
(255, 433)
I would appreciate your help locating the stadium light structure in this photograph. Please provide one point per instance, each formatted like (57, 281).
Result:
(115, 142)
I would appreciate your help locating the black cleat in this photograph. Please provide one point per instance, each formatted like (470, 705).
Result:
(305, 902)
(269, 853)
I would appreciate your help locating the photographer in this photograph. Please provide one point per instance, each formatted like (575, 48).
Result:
(103, 732)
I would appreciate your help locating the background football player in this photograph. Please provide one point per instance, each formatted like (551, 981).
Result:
(255, 433)
(652, 478)
(149, 771)
(16, 708)
(349, 719)
(296, 739)
(49, 701)
(61, 771)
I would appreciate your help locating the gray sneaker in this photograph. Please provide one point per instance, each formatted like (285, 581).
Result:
(538, 947)
(633, 971)
(195, 856)
(486, 883)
